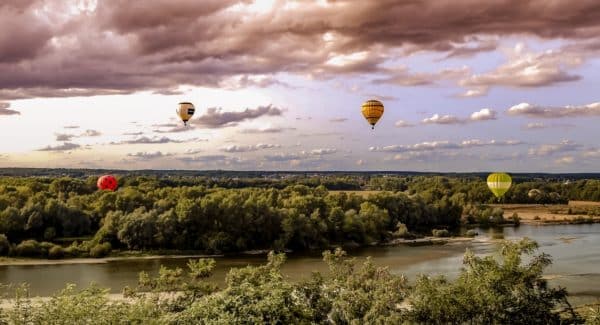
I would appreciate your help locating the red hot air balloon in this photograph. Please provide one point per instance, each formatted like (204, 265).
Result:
(107, 182)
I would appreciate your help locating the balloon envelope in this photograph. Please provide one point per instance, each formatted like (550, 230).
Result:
(499, 183)
(107, 182)
(372, 110)
(185, 111)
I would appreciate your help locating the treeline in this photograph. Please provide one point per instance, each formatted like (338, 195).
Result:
(506, 288)
(143, 215)
(56, 217)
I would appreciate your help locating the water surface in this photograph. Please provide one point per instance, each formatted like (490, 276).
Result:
(575, 250)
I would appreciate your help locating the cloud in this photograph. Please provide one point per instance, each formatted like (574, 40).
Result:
(566, 160)
(133, 133)
(321, 151)
(314, 154)
(444, 145)
(153, 140)
(525, 69)
(529, 110)
(403, 124)
(338, 120)
(176, 129)
(71, 127)
(402, 77)
(360, 162)
(536, 125)
(591, 153)
(4, 109)
(69, 137)
(484, 114)
(551, 149)
(267, 130)
(61, 147)
(216, 118)
(91, 133)
(163, 44)
(64, 137)
(142, 155)
(282, 157)
(443, 119)
(249, 148)
(217, 160)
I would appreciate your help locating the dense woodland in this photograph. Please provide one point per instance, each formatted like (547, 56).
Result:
(67, 216)
(505, 289)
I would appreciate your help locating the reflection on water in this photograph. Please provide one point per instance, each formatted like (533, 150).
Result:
(575, 250)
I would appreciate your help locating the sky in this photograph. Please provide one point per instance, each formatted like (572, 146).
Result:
(468, 86)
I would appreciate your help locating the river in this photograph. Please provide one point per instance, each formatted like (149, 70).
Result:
(575, 250)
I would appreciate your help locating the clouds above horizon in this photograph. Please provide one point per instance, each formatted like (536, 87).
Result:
(278, 84)
(163, 44)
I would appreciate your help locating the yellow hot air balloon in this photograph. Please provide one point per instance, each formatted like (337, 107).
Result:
(185, 111)
(372, 110)
(499, 183)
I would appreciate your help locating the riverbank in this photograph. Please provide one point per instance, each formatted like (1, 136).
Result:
(140, 255)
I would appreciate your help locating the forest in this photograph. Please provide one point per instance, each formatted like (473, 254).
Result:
(57, 217)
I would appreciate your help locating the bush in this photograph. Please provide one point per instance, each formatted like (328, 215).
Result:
(536, 218)
(471, 233)
(29, 248)
(100, 250)
(515, 219)
(56, 252)
(440, 233)
(4, 245)
(402, 232)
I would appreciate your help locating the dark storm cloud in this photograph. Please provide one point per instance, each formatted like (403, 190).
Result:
(217, 118)
(124, 46)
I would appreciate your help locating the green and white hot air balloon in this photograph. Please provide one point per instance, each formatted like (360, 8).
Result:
(499, 183)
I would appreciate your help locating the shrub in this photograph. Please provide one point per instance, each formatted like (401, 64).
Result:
(4, 245)
(100, 250)
(29, 248)
(402, 232)
(56, 252)
(471, 233)
(536, 218)
(440, 233)
(515, 219)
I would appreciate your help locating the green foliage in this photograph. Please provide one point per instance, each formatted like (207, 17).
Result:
(440, 233)
(4, 245)
(505, 289)
(100, 250)
(493, 291)
(221, 214)
(471, 233)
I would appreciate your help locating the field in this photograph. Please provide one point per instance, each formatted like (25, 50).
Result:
(538, 213)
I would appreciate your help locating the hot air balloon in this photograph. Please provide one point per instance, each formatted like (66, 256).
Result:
(372, 110)
(499, 183)
(185, 111)
(107, 182)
